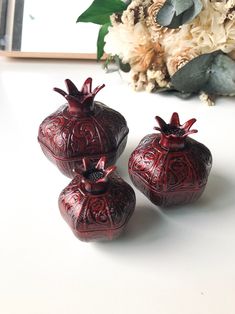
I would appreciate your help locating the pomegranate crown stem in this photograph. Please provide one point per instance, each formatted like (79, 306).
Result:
(79, 101)
(174, 129)
(99, 173)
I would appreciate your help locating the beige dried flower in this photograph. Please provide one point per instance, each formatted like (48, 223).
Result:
(231, 16)
(177, 61)
(116, 19)
(136, 12)
(211, 30)
(147, 56)
(158, 78)
(207, 99)
(148, 80)
(155, 29)
(139, 80)
(230, 4)
(150, 86)
(143, 57)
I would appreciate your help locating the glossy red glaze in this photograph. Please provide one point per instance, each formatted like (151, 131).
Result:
(97, 204)
(82, 128)
(170, 168)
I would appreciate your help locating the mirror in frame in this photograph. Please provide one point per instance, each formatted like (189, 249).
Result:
(46, 29)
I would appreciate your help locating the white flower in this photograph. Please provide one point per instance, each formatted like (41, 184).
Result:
(123, 40)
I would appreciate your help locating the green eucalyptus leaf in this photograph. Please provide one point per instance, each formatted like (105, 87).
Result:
(176, 21)
(213, 73)
(190, 14)
(222, 76)
(114, 63)
(125, 67)
(166, 14)
(160, 90)
(173, 91)
(100, 10)
(182, 95)
(110, 64)
(181, 6)
(100, 41)
(174, 13)
(192, 77)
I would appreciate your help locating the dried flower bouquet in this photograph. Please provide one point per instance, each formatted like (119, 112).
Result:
(184, 47)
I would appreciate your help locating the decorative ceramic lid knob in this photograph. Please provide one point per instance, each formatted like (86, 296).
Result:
(82, 128)
(97, 204)
(170, 168)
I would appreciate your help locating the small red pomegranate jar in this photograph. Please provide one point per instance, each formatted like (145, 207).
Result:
(97, 204)
(82, 128)
(170, 168)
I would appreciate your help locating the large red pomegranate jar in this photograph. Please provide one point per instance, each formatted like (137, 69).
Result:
(169, 167)
(97, 204)
(82, 128)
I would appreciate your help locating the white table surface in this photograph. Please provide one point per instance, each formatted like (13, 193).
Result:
(179, 261)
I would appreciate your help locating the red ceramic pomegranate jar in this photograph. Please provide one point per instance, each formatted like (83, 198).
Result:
(82, 128)
(170, 168)
(97, 204)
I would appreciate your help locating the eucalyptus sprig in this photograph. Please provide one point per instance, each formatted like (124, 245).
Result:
(178, 12)
(99, 12)
(114, 63)
(212, 73)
